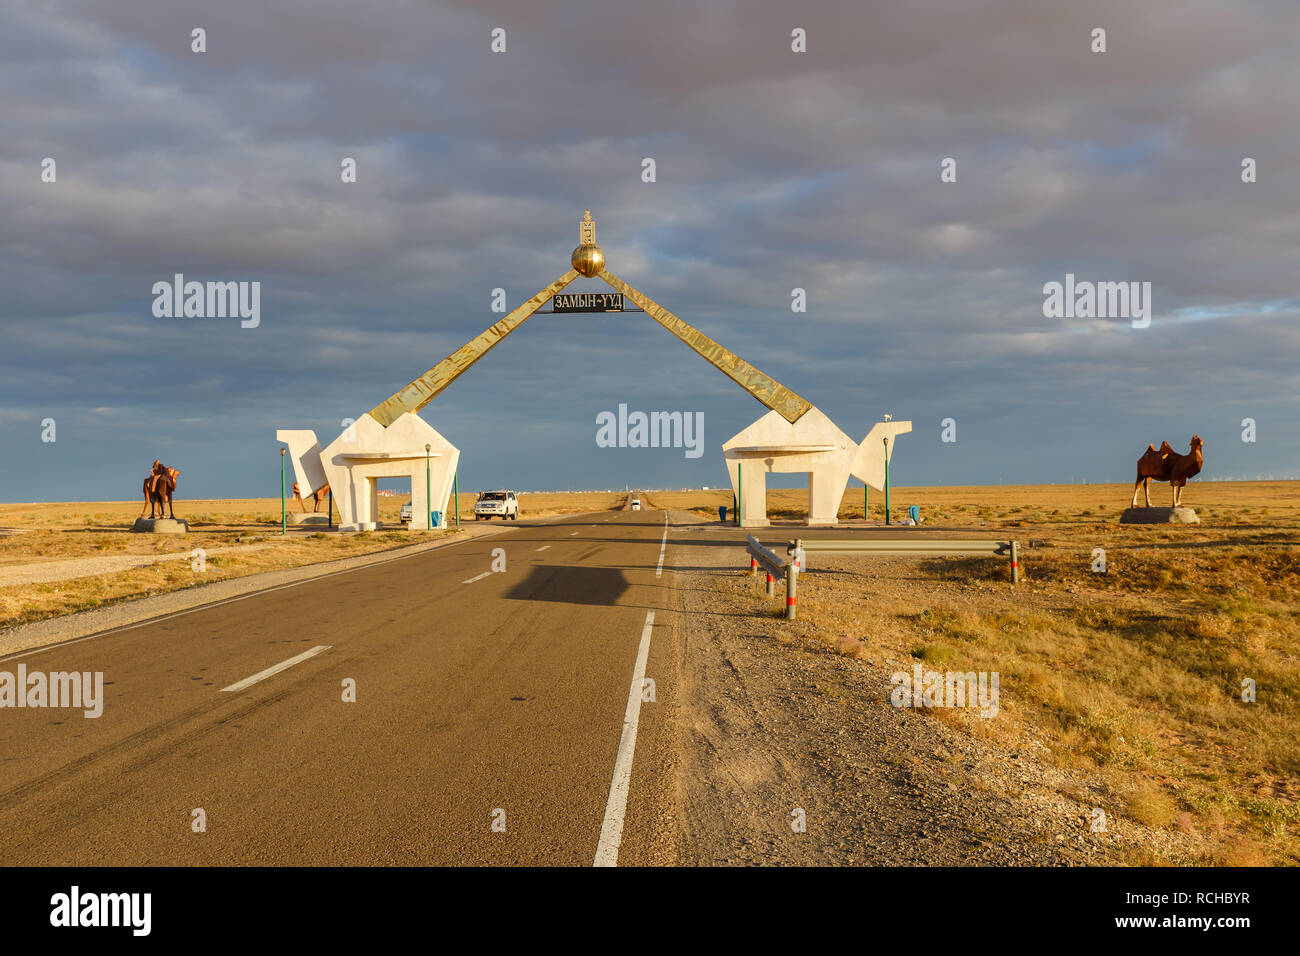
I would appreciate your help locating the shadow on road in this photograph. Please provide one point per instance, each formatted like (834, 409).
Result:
(564, 584)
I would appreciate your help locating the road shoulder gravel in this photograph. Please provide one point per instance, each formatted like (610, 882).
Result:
(775, 729)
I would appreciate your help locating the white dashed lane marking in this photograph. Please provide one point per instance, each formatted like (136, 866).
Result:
(272, 671)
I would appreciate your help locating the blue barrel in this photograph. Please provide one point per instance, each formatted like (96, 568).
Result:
(722, 512)
(914, 512)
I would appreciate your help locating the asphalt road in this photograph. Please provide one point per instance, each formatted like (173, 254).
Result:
(508, 693)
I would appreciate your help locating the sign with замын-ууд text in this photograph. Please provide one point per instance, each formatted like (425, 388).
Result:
(588, 302)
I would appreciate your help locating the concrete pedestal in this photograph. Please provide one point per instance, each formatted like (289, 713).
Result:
(161, 525)
(317, 518)
(1159, 516)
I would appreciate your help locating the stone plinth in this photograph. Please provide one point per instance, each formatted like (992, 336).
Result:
(1159, 516)
(161, 525)
(313, 518)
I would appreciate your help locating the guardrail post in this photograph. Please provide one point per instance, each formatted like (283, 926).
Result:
(1015, 562)
(791, 587)
(771, 590)
(753, 566)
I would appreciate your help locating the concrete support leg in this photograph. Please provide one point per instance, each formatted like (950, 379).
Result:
(825, 491)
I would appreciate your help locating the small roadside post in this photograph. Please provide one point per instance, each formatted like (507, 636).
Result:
(791, 586)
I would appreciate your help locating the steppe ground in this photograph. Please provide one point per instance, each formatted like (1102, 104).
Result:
(1121, 688)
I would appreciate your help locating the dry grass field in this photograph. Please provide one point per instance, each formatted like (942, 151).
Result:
(1133, 677)
(240, 536)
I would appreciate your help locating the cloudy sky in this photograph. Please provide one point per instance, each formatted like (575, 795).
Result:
(775, 170)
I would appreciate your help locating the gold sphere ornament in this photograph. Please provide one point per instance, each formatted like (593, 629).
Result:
(588, 259)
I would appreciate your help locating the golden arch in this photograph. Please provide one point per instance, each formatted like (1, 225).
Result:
(590, 260)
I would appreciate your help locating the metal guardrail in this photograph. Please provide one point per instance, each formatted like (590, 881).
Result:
(798, 549)
(774, 567)
(936, 546)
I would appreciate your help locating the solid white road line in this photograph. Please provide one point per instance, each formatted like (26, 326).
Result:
(611, 831)
(272, 671)
(543, 547)
(662, 546)
(485, 574)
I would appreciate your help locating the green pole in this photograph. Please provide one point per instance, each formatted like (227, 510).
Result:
(284, 518)
(455, 493)
(886, 481)
(331, 514)
(865, 486)
(428, 491)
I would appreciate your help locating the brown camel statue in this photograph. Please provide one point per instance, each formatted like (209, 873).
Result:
(157, 469)
(158, 490)
(319, 495)
(1165, 464)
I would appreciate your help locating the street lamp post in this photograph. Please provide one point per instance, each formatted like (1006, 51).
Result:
(284, 518)
(428, 496)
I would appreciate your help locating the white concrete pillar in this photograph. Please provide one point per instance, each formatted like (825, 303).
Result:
(752, 478)
(825, 491)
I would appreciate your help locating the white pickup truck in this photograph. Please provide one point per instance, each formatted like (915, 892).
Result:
(496, 504)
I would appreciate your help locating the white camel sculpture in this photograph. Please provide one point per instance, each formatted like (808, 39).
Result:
(813, 444)
(367, 451)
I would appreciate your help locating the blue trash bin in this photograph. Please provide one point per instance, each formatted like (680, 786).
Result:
(435, 519)
(722, 512)
(914, 512)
